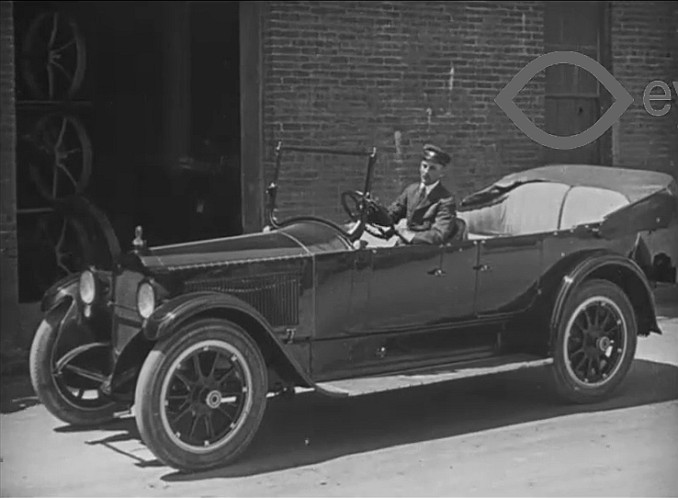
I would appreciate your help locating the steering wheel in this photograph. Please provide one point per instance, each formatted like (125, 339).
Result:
(377, 215)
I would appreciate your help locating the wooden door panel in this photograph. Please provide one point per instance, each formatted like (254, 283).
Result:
(570, 116)
(573, 99)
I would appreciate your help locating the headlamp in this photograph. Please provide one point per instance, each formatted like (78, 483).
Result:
(88, 287)
(146, 299)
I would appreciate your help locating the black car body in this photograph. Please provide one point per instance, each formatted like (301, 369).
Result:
(550, 263)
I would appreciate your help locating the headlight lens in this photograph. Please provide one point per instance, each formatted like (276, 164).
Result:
(145, 299)
(88, 287)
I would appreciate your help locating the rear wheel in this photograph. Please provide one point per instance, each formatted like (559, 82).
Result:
(595, 342)
(201, 395)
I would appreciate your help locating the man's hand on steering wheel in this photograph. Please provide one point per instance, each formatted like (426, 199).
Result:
(376, 215)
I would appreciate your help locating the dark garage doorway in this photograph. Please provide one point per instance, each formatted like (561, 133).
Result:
(215, 114)
(159, 103)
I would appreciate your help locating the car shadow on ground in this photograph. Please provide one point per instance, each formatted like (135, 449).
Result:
(311, 428)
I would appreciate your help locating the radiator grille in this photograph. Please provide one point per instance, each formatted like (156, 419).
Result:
(276, 297)
(126, 318)
(126, 289)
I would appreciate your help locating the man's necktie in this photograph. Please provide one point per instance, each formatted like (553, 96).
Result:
(419, 198)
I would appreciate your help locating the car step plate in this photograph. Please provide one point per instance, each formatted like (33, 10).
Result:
(429, 375)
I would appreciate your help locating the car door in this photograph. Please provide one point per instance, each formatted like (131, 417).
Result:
(458, 275)
(406, 291)
(508, 273)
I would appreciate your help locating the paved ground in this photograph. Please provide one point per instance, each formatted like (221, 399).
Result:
(503, 434)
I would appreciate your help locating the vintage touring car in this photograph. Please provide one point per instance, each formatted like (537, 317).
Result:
(549, 264)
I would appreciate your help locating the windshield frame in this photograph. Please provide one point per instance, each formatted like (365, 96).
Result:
(272, 190)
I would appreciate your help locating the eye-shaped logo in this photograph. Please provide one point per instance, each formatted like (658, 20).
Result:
(505, 100)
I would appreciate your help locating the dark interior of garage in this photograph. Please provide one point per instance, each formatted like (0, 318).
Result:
(145, 97)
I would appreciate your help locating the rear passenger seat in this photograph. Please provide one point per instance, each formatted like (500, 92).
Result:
(542, 207)
(529, 208)
(588, 205)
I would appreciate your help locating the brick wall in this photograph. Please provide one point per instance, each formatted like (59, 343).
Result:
(8, 243)
(396, 75)
(645, 48)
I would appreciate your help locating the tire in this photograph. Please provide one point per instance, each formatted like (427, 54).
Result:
(196, 421)
(57, 393)
(595, 342)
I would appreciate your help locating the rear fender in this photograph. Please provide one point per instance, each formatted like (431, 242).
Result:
(620, 270)
(170, 316)
(652, 255)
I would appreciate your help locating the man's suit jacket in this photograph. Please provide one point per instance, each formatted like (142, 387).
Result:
(432, 218)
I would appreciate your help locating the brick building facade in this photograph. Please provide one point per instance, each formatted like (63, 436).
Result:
(8, 241)
(395, 75)
(398, 74)
(644, 49)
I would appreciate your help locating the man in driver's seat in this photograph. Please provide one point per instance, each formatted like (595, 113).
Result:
(425, 212)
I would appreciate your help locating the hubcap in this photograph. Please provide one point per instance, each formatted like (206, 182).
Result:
(595, 341)
(604, 343)
(213, 399)
(205, 396)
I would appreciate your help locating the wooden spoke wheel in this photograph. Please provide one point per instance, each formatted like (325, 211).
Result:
(73, 236)
(595, 343)
(60, 162)
(53, 57)
(102, 237)
(201, 395)
(59, 247)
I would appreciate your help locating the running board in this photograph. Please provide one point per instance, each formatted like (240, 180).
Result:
(429, 375)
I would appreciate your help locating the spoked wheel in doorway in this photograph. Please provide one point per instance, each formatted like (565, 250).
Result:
(53, 58)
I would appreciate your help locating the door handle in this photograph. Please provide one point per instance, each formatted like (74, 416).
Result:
(436, 272)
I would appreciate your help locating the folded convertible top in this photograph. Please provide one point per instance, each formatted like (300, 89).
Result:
(632, 183)
(652, 197)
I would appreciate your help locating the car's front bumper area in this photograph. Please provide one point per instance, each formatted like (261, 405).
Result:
(95, 341)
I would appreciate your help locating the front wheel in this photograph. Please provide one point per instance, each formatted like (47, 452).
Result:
(71, 398)
(595, 342)
(201, 395)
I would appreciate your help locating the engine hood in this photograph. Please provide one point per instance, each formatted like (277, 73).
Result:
(296, 240)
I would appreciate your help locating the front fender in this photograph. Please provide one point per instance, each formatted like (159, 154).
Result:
(173, 313)
(169, 317)
(72, 331)
(67, 287)
(624, 272)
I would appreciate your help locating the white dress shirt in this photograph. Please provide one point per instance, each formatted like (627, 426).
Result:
(428, 188)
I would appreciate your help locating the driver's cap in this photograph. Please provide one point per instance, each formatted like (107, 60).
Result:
(436, 155)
